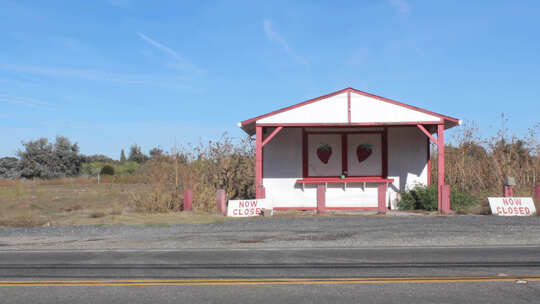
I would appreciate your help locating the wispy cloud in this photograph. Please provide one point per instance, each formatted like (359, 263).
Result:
(401, 6)
(95, 75)
(24, 101)
(276, 37)
(180, 62)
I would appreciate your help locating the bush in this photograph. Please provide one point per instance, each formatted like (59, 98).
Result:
(93, 168)
(9, 167)
(425, 198)
(107, 170)
(419, 198)
(41, 159)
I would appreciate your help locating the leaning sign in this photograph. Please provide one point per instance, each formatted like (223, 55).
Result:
(238, 208)
(515, 206)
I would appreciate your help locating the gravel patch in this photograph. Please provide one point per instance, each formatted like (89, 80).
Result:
(283, 232)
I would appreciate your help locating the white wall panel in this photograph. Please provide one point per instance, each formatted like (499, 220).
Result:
(367, 109)
(407, 157)
(331, 110)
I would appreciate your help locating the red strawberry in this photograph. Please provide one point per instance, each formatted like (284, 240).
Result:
(363, 152)
(323, 152)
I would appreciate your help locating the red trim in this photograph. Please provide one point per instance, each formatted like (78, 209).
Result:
(427, 133)
(428, 162)
(384, 143)
(321, 199)
(381, 198)
(349, 106)
(345, 132)
(259, 192)
(327, 208)
(344, 155)
(440, 165)
(274, 133)
(347, 125)
(251, 120)
(335, 179)
(344, 150)
(304, 154)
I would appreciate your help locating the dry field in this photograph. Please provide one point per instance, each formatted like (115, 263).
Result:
(81, 201)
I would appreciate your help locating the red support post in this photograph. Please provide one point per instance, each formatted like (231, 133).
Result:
(508, 191)
(321, 199)
(440, 160)
(221, 199)
(188, 200)
(381, 195)
(537, 194)
(445, 196)
(259, 188)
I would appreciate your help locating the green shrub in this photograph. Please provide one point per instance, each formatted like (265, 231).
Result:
(419, 198)
(128, 167)
(107, 170)
(425, 198)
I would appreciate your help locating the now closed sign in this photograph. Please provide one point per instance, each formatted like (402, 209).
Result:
(237, 208)
(512, 206)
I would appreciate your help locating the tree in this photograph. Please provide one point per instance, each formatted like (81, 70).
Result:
(107, 170)
(136, 155)
(156, 153)
(42, 159)
(98, 158)
(122, 156)
(9, 167)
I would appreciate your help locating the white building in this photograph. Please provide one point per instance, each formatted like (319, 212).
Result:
(346, 150)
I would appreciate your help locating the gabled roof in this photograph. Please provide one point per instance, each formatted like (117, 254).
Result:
(348, 107)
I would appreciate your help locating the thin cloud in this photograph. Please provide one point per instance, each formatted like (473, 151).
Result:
(93, 75)
(401, 6)
(24, 101)
(274, 36)
(181, 62)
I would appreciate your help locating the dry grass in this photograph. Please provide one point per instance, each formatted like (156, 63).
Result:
(25, 203)
(97, 214)
(22, 219)
(479, 165)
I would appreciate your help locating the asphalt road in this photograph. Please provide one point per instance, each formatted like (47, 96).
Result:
(292, 275)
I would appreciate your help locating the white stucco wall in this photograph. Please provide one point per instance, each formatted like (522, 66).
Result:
(282, 166)
(407, 158)
(330, 110)
(367, 109)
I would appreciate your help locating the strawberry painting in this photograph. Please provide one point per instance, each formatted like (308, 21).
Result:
(363, 152)
(323, 152)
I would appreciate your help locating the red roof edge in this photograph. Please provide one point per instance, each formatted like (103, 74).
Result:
(251, 120)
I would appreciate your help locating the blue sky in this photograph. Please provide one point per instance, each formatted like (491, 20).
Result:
(108, 74)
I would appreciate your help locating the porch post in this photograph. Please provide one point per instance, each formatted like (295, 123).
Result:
(381, 198)
(442, 193)
(259, 188)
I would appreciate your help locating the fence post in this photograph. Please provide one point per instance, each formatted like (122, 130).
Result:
(537, 194)
(321, 199)
(381, 191)
(188, 200)
(221, 201)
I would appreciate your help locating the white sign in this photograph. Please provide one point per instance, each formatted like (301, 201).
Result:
(520, 206)
(239, 208)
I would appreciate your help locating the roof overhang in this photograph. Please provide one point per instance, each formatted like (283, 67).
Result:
(342, 101)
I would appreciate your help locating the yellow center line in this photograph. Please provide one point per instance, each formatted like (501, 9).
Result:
(270, 281)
